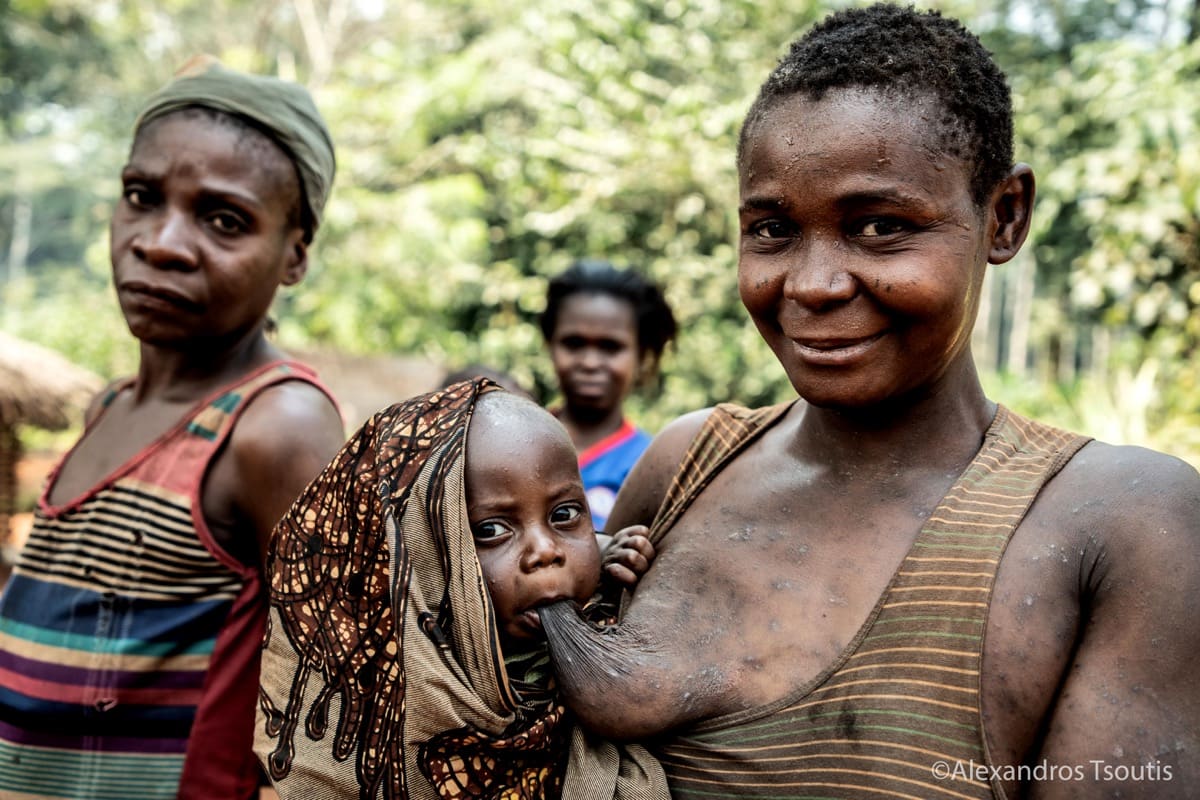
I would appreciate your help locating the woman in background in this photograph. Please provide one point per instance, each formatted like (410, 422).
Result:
(606, 330)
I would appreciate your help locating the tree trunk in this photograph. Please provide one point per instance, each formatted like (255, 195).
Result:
(22, 230)
(10, 454)
(1024, 272)
(983, 338)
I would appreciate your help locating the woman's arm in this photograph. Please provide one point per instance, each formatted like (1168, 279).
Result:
(621, 681)
(648, 482)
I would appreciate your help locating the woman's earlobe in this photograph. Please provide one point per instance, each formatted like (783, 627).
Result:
(1012, 209)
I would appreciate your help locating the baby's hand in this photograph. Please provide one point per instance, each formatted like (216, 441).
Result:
(628, 555)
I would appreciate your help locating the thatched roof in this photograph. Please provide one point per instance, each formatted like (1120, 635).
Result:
(40, 387)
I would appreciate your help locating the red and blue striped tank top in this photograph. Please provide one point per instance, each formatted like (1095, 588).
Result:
(129, 640)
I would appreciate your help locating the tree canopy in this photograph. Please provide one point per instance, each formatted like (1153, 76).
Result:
(484, 145)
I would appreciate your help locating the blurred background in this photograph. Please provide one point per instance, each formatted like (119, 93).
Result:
(484, 145)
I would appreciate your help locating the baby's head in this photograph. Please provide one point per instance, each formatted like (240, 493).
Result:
(528, 512)
(913, 58)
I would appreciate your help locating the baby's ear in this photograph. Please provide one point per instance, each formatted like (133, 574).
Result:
(1012, 209)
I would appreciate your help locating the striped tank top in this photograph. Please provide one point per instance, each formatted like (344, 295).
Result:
(897, 711)
(119, 604)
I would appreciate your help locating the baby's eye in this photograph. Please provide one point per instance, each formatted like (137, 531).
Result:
(488, 531)
(882, 227)
(566, 514)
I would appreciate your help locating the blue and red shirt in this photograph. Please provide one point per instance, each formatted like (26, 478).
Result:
(605, 465)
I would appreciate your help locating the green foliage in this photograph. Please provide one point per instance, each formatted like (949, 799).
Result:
(1118, 224)
(484, 145)
(494, 163)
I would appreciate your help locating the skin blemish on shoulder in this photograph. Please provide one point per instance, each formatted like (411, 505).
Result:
(753, 663)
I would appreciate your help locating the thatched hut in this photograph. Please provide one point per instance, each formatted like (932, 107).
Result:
(38, 387)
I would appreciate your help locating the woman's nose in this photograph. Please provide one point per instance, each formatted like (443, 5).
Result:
(169, 242)
(820, 275)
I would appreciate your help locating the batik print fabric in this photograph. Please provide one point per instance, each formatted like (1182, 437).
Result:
(382, 671)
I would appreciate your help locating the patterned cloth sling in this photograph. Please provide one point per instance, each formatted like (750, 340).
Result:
(382, 674)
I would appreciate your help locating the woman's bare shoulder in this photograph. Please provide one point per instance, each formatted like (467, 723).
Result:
(647, 483)
(1115, 495)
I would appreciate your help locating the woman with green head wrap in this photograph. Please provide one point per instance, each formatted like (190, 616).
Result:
(133, 621)
(282, 111)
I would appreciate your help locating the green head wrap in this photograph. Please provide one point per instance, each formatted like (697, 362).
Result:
(283, 110)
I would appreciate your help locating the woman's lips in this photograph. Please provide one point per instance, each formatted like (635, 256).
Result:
(835, 351)
(148, 294)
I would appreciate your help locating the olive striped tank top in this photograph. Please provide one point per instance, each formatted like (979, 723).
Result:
(894, 714)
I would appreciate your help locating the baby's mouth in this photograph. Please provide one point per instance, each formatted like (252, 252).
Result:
(530, 615)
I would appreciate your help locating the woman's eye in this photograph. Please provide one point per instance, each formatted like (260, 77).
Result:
(566, 514)
(227, 223)
(137, 196)
(772, 229)
(571, 343)
(488, 531)
(882, 227)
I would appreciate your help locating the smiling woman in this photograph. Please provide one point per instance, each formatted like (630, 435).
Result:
(854, 237)
(892, 573)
